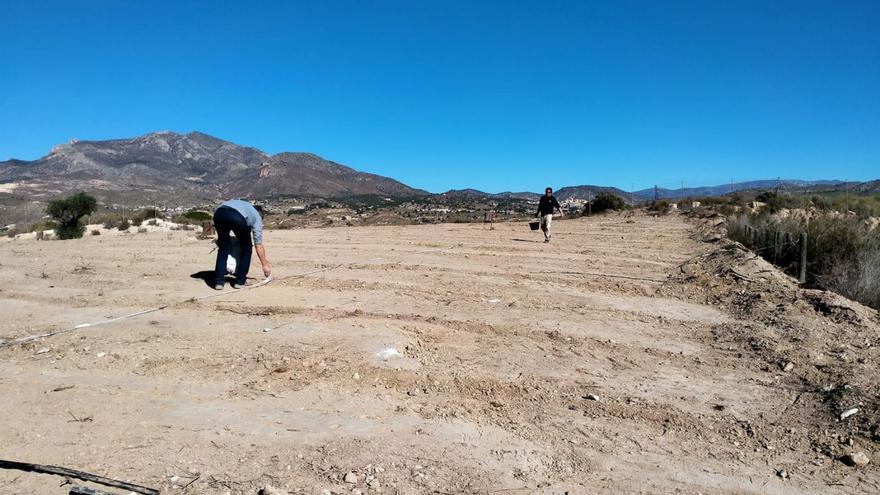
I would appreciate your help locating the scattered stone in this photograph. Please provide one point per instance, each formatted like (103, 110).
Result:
(855, 459)
(591, 397)
(271, 490)
(782, 473)
(101, 354)
(848, 413)
(350, 477)
(388, 353)
(356, 376)
(788, 367)
(44, 350)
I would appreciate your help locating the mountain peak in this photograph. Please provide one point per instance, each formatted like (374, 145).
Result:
(189, 167)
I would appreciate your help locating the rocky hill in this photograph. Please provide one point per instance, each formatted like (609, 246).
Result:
(167, 168)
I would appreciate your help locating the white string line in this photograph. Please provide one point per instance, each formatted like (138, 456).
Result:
(29, 338)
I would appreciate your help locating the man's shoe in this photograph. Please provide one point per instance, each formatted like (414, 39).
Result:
(218, 286)
(546, 240)
(241, 285)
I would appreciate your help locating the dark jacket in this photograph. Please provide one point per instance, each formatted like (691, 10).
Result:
(547, 205)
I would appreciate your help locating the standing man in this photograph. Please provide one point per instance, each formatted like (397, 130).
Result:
(546, 207)
(243, 219)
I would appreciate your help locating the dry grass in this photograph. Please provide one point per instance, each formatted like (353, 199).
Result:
(842, 254)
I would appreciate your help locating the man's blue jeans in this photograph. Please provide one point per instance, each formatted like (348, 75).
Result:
(228, 220)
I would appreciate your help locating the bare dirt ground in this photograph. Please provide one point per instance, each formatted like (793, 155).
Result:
(505, 343)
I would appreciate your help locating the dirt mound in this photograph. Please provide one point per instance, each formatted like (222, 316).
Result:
(827, 344)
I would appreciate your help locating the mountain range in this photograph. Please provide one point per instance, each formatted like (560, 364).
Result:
(167, 168)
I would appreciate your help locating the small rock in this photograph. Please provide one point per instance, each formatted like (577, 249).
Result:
(389, 353)
(44, 350)
(782, 473)
(855, 459)
(848, 413)
(357, 492)
(350, 477)
(101, 354)
(356, 376)
(788, 366)
(591, 397)
(271, 490)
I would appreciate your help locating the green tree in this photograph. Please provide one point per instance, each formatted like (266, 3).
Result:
(68, 212)
(607, 201)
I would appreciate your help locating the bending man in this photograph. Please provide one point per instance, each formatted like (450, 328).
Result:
(243, 219)
(546, 206)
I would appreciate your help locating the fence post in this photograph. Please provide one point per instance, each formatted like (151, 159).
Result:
(802, 267)
(776, 237)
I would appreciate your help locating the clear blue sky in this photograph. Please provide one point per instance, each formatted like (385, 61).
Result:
(493, 95)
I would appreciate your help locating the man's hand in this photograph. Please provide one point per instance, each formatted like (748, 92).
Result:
(261, 253)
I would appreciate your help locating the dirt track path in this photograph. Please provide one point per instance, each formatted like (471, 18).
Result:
(503, 339)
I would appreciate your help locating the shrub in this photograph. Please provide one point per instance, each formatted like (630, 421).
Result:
(108, 224)
(198, 215)
(607, 201)
(661, 206)
(145, 214)
(776, 201)
(842, 255)
(96, 232)
(123, 225)
(68, 212)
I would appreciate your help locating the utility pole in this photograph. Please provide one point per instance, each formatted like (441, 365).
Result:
(632, 192)
(656, 195)
(681, 194)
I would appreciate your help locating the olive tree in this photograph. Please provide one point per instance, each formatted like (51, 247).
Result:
(68, 212)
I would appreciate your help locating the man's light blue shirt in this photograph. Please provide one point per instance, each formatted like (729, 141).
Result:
(251, 216)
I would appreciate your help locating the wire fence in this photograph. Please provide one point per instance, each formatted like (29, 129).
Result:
(785, 249)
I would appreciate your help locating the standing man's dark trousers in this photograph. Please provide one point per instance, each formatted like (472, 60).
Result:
(226, 220)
